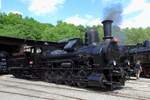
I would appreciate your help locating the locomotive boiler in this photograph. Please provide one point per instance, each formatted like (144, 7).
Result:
(95, 64)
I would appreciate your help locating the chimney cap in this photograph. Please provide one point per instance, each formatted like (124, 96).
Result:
(104, 21)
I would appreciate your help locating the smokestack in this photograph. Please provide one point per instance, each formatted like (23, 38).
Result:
(107, 29)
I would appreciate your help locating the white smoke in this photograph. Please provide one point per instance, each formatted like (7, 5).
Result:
(113, 12)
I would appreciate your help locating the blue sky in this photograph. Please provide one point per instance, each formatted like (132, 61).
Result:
(86, 12)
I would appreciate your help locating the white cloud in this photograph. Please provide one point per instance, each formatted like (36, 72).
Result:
(87, 20)
(41, 7)
(134, 6)
(88, 16)
(142, 19)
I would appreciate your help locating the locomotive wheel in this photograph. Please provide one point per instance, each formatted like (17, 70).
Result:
(17, 74)
(48, 76)
(109, 87)
(68, 78)
(59, 77)
(82, 75)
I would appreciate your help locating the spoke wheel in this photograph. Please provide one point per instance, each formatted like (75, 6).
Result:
(48, 76)
(17, 74)
(109, 87)
(68, 78)
(82, 75)
(59, 77)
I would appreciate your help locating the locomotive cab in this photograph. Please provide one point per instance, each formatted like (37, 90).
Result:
(32, 50)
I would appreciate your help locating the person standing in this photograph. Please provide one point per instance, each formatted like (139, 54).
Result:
(138, 69)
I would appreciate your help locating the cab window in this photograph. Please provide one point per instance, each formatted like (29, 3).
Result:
(38, 50)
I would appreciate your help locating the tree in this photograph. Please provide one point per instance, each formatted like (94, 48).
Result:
(62, 31)
(14, 25)
(136, 35)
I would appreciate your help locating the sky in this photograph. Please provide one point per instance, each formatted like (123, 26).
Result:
(134, 13)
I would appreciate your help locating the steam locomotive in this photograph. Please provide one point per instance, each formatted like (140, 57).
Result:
(94, 64)
(140, 52)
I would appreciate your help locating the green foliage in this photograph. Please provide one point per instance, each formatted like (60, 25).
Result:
(63, 31)
(14, 25)
(136, 35)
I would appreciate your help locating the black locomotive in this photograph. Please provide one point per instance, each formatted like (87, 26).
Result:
(93, 64)
(140, 52)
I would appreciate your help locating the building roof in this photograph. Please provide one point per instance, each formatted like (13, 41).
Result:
(17, 41)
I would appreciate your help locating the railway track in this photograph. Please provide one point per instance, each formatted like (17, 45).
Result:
(36, 91)
(52, 85)
(43, 88)
(26, 95)
(70, 88)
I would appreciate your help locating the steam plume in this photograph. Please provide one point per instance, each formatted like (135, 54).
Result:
(113, 12)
